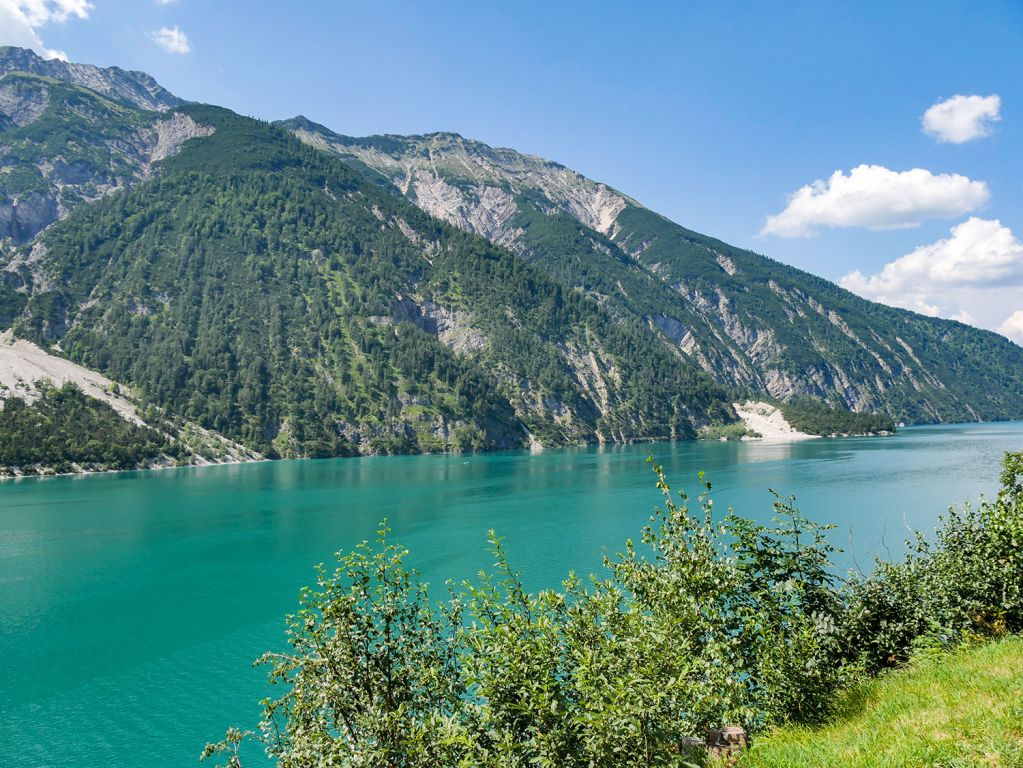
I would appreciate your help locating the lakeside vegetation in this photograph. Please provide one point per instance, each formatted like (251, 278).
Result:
(65, 430)
(736, 431)
(806, 415)
(817, 418)
(708, 621)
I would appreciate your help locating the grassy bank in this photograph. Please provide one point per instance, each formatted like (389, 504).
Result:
(964, 709)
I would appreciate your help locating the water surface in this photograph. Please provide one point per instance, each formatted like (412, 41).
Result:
(132, 604)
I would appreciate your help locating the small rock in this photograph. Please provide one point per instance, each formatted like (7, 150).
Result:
(726, 741)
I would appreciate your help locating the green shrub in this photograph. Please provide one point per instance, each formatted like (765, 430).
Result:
(372, 678)
(968, 581)
(707, 621)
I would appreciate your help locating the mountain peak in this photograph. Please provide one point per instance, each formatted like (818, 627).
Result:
(136, 88)
(438, 169)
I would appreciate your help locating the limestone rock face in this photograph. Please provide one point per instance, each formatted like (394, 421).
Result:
(475, 186)
(104, 145)
(135, 88)
(22, 217)
(169, 134)
(21, 105)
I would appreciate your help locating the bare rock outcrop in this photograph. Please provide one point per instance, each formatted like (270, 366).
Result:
(22, 105)
(136, 88)
(171, 133)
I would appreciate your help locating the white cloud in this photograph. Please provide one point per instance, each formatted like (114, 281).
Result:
(1013, 327)
(980, 252)
(875, 197)
(171, 39)
(964, 317)
(974, 276)
(962, 118)
(21, 19)
(165, 2)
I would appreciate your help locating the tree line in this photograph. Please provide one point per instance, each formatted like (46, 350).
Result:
(63, 427)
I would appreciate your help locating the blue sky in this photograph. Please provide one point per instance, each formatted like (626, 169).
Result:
(710, 113)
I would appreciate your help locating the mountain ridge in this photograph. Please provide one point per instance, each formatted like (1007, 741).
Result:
(266, 290)
(321, 295)
(62, 143)
(773, 330)
(136, 88)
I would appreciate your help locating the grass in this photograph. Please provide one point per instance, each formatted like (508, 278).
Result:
(953, 711)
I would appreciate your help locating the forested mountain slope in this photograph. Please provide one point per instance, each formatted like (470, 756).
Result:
(751, 322)
(403, 294)
(267, 291)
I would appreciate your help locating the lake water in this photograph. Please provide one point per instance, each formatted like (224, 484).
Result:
(132, 604)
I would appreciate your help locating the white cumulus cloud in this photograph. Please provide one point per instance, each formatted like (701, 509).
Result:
(876, 197)
(171, 39)
(1013, 327)
(964, 317)
(20, 21)
(962, 118)
(979, 252)
(972, 276)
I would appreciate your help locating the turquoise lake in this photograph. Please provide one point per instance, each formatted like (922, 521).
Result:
(132, 604)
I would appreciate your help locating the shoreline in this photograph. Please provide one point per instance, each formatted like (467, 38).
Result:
(4, 476)
(46, 472)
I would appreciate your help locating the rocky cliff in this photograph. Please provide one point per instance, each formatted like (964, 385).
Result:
(135, 88)
(62, 144)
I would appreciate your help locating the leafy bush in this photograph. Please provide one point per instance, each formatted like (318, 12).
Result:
(372, 678)
(686, 631)
(968, 581)
(706, 622)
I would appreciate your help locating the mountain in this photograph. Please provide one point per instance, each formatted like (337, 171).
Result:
(265, 290)
(292, 292)
(754, 324)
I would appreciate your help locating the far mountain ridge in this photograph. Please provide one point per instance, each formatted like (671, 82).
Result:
(135, 88)
(751, 322)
